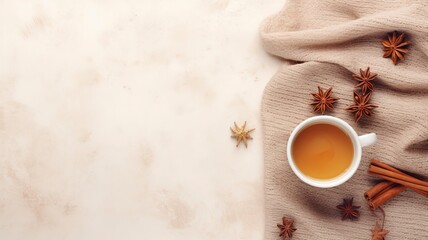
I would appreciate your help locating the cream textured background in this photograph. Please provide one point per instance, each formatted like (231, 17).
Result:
(333, 40)
(115, 115)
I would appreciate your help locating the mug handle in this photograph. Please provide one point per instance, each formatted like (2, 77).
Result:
(367, 139)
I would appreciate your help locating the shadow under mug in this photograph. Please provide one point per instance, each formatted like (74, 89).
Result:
(358, 143)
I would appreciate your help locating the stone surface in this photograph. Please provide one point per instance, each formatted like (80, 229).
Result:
(115, 116)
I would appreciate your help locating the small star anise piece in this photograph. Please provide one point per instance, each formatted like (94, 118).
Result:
(378, 232)
(364, 80)
(241, 134)
(286, 228)
(395, 47)
(323, 100)
(348, 210)
(361, 106)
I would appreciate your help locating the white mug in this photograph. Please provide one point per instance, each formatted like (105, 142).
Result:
(357, 141)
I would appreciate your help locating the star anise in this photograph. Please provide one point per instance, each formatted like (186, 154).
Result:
(348, 210)
(365, 79)
(323, 100)
(395, 47)
(361, 106)
(241, 134)
(286, 228)
(378, 232)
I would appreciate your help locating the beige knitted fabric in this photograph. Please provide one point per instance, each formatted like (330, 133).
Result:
(328, 41)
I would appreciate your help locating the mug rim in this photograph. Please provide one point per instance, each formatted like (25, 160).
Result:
(343, 177)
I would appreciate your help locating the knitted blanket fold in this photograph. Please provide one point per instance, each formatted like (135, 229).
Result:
(330, 40)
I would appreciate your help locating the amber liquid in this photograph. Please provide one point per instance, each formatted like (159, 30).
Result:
(322, 151)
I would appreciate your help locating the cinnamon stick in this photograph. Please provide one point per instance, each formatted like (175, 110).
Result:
(396, 182)
(400, 176)
(378, 189)
(386, 166)
(386, 196)
(400, 181)
(421, 192)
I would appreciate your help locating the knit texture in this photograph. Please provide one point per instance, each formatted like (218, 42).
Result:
(328, 41)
